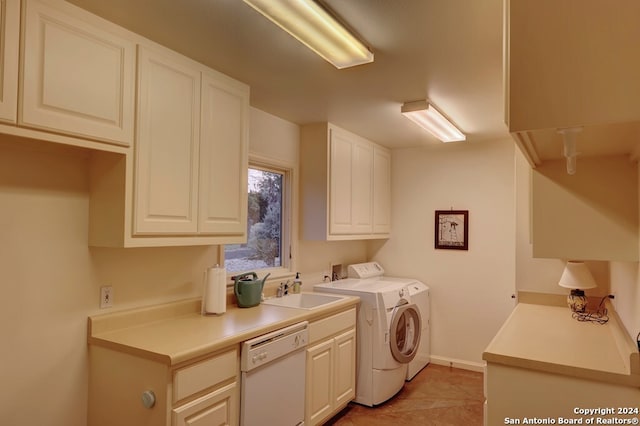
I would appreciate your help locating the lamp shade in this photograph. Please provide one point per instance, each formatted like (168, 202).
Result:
(576, 275)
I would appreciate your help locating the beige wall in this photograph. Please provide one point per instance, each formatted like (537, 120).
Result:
(51, 281)
(470, 290)
(51, 278)
(625, 284)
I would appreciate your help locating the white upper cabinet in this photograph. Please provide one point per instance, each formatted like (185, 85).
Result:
(571, 63)
(224, 140)
(78, 74)
(186, 183)
(350, 169)
(192, 148)
(382, 183)
(362, 184)
(592, 215)
(9, 45)
(167, 146)
(345, 185)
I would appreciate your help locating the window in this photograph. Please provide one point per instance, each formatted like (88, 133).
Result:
(268, 222)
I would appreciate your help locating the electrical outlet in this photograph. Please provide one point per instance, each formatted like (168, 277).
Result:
(106, 297)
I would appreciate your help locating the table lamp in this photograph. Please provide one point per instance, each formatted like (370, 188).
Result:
(577, 277)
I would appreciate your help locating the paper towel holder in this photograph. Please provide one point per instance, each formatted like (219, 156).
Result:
(214, 293)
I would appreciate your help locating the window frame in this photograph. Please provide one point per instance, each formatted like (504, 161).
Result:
(289, 223)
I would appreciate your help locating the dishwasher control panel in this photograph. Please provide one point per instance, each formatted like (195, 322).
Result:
(271, 346)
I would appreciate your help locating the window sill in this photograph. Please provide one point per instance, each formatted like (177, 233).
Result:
(276, 274)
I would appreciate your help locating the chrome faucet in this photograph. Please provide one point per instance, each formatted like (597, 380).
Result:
(283, 290)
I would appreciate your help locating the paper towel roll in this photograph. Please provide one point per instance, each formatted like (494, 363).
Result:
(215, 293)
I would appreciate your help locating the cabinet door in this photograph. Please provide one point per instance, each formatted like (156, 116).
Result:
(223, 156)
(217, 408)
(340, 178)
(167, 147)
(78, 75)
(319, 382)
(9, 42)
(362, 179)
(381, 191)
(345, 368)
(351, 185)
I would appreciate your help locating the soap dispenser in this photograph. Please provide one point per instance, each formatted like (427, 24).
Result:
(297, 283)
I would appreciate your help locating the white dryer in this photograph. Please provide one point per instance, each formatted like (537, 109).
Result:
(419, 293)
(388, 331)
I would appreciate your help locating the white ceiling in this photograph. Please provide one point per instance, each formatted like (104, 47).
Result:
(448, 51)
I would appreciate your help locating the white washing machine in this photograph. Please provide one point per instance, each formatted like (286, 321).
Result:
(388, 331)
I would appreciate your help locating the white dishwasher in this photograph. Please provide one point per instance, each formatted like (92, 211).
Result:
(273, 375)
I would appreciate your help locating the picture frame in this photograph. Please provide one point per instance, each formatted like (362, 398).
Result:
(452, 229)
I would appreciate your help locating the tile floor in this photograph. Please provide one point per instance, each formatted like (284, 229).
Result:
(437, 396)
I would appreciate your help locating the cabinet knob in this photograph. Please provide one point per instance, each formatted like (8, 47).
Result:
(148, 399)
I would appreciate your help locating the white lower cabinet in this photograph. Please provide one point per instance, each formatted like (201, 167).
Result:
(319, 381)
(213, 409)
(517, 393)
(331, 366)
(205, 392)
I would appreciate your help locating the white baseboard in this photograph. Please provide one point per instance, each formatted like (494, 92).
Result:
(458, 363)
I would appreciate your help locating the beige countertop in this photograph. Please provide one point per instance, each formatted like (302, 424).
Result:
(548, 339)
(176, 332)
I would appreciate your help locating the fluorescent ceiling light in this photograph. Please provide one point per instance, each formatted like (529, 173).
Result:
(314, 27)
(426, 116)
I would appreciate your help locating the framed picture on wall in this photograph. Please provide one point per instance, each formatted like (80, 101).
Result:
(452, 229)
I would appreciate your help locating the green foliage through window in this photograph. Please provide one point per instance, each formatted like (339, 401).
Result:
(264, 225)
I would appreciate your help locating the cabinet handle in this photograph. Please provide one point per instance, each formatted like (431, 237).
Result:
(148, 399)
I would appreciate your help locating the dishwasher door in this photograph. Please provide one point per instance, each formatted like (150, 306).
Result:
(273, 378)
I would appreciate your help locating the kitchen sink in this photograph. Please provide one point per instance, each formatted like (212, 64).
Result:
(303, 300)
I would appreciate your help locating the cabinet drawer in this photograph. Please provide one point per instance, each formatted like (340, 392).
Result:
(205, 374)
(215, 408)
(327, 327)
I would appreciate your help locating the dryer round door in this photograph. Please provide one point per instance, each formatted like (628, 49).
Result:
(406, 324)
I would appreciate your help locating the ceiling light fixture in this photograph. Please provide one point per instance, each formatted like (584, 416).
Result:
(317, 29)
(428, 117)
